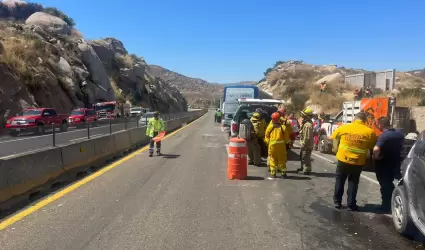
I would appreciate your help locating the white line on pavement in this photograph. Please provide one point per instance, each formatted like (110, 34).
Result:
(78, 130)
(84, 138)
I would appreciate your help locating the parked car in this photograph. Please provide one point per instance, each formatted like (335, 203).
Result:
(138, 111)
(408, 199)
(145, 118)
(79, 117)
(36, 120)
(249, 106)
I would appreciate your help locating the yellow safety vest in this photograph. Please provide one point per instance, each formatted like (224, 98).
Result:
(355, 141)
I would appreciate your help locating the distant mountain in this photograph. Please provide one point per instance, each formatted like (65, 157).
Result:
(198, 92)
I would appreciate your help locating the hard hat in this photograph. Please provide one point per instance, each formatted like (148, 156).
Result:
(256, 115)
(276, 116)
(307, 112)
(156, 113)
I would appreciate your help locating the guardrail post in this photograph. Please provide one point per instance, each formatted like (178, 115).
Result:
(137, 121)
(54, 135)
(125, 123)
(146, 121)
(88, 130)
(110, 126)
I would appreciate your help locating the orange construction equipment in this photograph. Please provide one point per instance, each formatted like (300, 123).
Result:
(159, 137)
(237, 161)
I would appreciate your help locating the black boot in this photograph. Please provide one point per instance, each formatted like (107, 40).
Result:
(150, 154)
(158, 152)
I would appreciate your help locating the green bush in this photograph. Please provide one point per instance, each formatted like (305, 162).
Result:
(55, 12)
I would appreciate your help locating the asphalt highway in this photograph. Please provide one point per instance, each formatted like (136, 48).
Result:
(183, 200)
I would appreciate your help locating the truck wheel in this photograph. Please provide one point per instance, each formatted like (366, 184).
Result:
(400, 212)
(64, 127)
(323, 144)
(13, 133)
(40, 129)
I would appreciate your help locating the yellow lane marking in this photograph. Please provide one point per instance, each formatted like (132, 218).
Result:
(24, 213)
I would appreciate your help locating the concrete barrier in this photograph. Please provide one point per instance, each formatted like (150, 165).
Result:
(122, 141)
(78, 154)
(24, 173)
(21, 174)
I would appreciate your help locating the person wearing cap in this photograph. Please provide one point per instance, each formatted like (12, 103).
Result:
(277, 137)
(259, 126)
(355, 141)
(155, 126)
(254, 148)
(306, 140)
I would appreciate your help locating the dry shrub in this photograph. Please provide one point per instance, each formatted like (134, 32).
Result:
(117, 91)
(273, 77)
(411, 97)
(25, 56)
(125, 61)
(331, 104)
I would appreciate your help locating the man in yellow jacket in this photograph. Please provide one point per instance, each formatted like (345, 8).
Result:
(306, 140)
(356, 140)
(277, 137)
(154, 127)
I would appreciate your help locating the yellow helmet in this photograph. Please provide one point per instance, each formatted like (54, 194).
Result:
(256, 115)
(307, 112)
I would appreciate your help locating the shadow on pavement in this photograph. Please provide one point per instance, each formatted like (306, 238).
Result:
(372, 208)
(169, 156)
(292, 156)
(296, 177)
(324, 175)
(254, 178)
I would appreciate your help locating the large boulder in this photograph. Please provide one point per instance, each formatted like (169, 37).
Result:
(98, 74)
(49, 23)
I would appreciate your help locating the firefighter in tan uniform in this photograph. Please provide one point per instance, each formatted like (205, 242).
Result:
(306, 140)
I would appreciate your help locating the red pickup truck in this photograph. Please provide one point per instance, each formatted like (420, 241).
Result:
(79, 117)
(36, 120)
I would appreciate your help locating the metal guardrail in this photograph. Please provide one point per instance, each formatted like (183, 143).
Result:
(115, 125)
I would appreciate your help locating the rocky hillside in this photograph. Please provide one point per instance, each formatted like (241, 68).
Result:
(199, 93)
(44, 62)
(298, 83)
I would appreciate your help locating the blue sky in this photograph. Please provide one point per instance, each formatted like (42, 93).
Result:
(234, 40)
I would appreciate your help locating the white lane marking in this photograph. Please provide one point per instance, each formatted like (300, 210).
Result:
(78, 130)
(333, 162)
(84, 138)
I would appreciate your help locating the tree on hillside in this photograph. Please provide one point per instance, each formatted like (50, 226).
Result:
(55, 12)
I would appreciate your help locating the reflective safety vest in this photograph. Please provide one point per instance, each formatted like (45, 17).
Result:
(154, 126)
(356, 139)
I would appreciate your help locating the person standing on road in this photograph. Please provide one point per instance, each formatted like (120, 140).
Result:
(356, 139)
(306, 140)
(247, 132)
(277, 137)
(387, 159)
(155, 126)
(260, 129)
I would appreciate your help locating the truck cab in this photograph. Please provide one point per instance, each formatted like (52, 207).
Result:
(36, 120)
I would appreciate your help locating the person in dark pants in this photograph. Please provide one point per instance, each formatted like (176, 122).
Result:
(387, 160)
(356, 140)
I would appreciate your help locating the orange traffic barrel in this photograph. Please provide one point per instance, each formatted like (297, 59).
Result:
(237, 161)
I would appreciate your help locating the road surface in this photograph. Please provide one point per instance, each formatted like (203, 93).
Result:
(183, 200)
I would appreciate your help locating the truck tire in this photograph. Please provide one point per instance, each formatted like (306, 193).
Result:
(40, 129)
(64, 126)
(323, 144)
(400, 212)
(14, 133)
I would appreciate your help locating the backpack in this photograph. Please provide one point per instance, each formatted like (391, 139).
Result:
(245, 130)
(259, 128)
